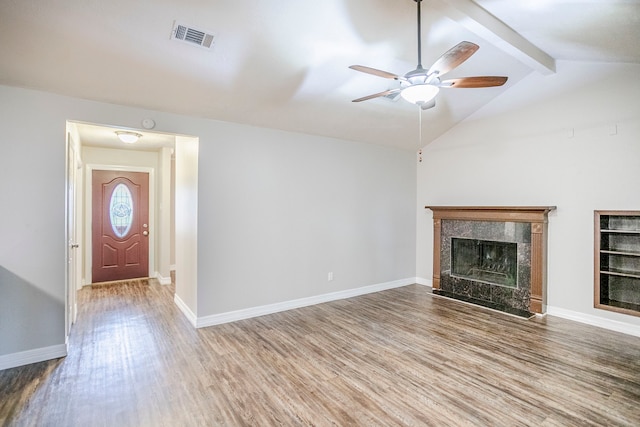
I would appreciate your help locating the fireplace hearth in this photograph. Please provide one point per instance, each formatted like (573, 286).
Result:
(492, 256)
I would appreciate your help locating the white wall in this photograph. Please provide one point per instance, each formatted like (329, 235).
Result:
(569, 140)
(282, 210)
(186, 225)
(113, 157)
(172, 208)
(276, 212)
(32, 225)
(164, 219)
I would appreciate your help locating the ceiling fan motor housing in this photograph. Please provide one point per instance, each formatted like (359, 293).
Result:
(420, 76)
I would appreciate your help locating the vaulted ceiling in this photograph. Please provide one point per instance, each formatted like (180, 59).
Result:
(284, 63)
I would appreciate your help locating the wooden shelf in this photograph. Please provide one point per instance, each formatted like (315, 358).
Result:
(610, 252)
(622, 273)
(617, 261)
(621, 231)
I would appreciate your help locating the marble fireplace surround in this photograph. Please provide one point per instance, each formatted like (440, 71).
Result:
(524, 225)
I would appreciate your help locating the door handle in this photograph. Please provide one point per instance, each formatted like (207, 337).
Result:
(145, 233)
(75, 246)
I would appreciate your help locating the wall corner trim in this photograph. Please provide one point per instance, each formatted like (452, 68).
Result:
(247, 313)
(163, 280)
(184, 308)
(13, 360)
(589, 319)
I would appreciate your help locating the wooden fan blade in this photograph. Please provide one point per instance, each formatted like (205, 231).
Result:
(472, 82)
(376, 95)
(453, 57)
(376, 72)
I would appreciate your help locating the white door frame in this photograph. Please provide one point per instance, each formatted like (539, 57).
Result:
(73, 254)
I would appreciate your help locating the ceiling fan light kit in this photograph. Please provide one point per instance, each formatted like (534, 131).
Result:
(421, 86)
(419, 94)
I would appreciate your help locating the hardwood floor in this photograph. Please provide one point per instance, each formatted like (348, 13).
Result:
(398, 357)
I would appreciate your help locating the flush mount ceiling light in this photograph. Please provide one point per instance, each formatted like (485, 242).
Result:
(128, 137)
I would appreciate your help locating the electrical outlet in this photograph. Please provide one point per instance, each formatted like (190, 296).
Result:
(330, 276)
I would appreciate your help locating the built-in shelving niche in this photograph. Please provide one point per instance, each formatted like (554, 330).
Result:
(617, 261)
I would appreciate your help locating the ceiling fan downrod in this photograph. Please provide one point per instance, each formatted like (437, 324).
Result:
(419, 35)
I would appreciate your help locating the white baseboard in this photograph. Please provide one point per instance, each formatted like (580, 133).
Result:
(36, 355)
(184, 308)
(612, 325)
(424, 282)
(163, 280)
(232, 316)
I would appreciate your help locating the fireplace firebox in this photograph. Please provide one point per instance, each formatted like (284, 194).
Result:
(492, 256)
(485, 261)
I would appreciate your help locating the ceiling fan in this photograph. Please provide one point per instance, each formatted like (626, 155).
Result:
(420, 86)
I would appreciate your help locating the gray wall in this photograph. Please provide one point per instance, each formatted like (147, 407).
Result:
(279, 211)
(276, 211)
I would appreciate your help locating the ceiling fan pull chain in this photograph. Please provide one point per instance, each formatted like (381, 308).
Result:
(420, 131)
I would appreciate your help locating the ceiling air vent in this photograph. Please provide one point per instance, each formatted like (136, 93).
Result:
(192, 35)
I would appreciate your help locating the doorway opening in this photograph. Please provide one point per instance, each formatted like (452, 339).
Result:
(92, 148)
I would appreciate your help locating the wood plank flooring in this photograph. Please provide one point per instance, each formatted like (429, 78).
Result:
(398, 357)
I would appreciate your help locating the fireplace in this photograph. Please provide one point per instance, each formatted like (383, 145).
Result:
(492, 256)
(485, 261)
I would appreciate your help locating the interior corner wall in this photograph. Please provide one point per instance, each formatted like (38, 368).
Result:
(568, 140)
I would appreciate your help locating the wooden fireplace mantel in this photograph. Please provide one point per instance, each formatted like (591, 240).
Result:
(492, 213)
(536, 215)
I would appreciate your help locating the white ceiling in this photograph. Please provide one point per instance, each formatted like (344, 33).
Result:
(284, 63)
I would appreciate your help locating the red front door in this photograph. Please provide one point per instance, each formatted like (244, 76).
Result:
(120, 227)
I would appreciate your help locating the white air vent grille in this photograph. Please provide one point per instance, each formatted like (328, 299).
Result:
(192, 35)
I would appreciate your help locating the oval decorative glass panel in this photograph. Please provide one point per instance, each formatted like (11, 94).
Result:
(121, 210)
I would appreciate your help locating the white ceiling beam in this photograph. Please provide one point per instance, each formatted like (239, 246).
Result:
(479, 21)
